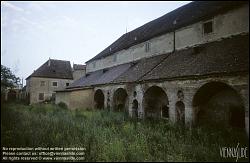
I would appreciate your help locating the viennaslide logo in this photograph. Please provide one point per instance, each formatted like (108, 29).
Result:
(234, 152)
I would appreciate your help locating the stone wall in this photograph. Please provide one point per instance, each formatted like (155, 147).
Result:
(188, 88)
(81, 99)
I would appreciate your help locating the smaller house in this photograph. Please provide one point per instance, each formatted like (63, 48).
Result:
(51, 76)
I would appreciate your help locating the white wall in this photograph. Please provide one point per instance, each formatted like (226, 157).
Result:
(231, 23)
(34, 87)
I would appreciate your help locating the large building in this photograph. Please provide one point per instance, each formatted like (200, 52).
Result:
(188, 65)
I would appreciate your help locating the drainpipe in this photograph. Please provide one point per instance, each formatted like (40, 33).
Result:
(174, 23)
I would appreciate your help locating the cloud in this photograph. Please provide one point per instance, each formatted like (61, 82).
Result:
(11, 6)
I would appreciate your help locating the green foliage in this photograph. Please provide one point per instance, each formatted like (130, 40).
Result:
(110, 136)
(62, 105)
(8, 79)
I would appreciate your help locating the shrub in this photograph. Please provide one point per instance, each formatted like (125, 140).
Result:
(62, 105)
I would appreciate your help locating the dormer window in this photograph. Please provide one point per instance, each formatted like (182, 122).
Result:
(147, 47)
(207, 27)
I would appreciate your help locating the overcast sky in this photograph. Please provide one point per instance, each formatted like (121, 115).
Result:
(31, 32)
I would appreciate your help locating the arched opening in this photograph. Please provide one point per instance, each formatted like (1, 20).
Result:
(155, 103)
(99, 99)
(180, 112)
(218, 105)
(120, 100)
(135, 108)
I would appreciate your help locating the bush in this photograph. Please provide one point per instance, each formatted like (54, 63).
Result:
(62, 105)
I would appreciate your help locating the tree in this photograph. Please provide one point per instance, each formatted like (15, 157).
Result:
(8, 79)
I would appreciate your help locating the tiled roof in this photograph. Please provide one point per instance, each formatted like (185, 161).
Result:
(139, 69)
(226, 56)
(100, 76)
(54, 69)
(183, 16)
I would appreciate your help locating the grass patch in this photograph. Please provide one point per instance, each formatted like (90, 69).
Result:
(110, 136)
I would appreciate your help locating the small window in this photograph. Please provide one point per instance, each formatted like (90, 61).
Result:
(42, 83)
(54, 84)
(67, 84)
(53, 96)
(208, 27)
(147, 47)
(114, 58)
(41, 96)
(93, 64)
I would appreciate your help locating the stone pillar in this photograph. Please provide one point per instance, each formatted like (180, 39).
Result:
(245, 97)
(139, 97)
(172, 99)
(189, 111)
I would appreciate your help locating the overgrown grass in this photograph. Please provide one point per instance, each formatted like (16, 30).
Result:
(110, 136)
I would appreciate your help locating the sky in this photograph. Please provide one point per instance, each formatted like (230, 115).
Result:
(33, 32)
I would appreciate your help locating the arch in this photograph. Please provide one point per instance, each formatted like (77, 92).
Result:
(218, 104)
(155, 102)
(180, 112)
(135, 108)
(120, 99)
(99, 99)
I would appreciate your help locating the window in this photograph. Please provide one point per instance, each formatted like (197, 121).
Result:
(42, 83)
(54, 84)
(114, 58)
(208, 27)
(147, 47)
(53, 96)
(41, 96)
(93, 64)
(67, 84)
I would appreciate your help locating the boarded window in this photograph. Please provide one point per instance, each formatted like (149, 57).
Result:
(41, 96)
(208, 27)
(147, 47)
(42, 83)
(54, 84)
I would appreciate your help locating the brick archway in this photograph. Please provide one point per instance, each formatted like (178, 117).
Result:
(155, 103)
(99, 99)
(217, 104)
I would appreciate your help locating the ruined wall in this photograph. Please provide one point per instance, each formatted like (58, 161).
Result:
(34, 87)
(81, 99)
(224, 25)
